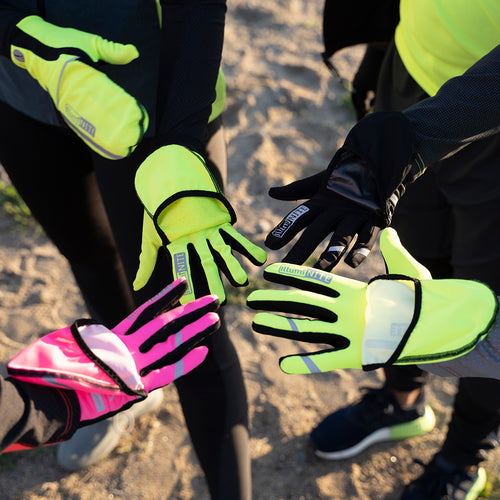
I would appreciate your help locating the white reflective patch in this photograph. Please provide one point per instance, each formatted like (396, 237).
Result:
(338, 248)
(389, 311)
(113, 352)
(363, 251)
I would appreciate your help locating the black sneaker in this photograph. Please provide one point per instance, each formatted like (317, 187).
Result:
(444, 480)
(375, 418)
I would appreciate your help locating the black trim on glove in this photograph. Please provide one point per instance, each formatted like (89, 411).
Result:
(185, 194)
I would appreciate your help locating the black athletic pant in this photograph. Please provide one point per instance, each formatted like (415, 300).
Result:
(449, 219)
(88, 207)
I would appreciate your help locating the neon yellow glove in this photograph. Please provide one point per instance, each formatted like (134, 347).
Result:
(186, 212)
(99, 111)
(401, 318)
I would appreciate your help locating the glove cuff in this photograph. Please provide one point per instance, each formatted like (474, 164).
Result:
(84, 357)
(436, 320)
(173, 172)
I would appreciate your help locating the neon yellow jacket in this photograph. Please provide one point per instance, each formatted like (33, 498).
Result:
(440, 39)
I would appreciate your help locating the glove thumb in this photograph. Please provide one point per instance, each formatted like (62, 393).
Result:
(299, 190)
(149, 252)
(397, 259)
(115, 53)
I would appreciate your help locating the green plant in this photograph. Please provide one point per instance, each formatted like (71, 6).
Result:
(14, 206)
(492, 488)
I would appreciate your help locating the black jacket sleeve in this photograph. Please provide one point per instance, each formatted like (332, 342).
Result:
(192, 39)
(33, 415)
(8, 19)
(465, 109)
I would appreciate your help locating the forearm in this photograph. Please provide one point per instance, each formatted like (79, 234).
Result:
(482, 361)
(35, 415)
(191, 48)
(465, 109)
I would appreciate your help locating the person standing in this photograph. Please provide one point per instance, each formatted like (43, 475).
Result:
(447, 218)
(111, 133)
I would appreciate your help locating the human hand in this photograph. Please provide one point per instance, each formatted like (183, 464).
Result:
(108, 119)
(355, 196)
(187, 214)
(401, 318)
(111, 369)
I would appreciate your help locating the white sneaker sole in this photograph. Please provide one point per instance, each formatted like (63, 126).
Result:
(417, 427)
(94, 442)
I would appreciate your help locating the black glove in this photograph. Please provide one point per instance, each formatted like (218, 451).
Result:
(356, 194)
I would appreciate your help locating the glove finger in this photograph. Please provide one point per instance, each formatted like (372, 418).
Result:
(242, 245)
(178, 345)
(184, 259)
(226, 262)
(299, 190)
(397, 259)
(291, 224)
(320, 362)
(300, 364)
(293, 302)
(312, 236)
(208, 268)
(312, 280)
(149, 253)
(363, 246)
(301, 329)
(163, 300)
(173, 321)
(339, 242)
(115, 53)
(345, 304)
(161, 377)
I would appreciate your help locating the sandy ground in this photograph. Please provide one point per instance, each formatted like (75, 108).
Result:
(285, 117)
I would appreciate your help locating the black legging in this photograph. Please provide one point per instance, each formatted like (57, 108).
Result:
(88, 207)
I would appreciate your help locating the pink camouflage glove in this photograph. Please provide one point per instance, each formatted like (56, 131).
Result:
(110, 370)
